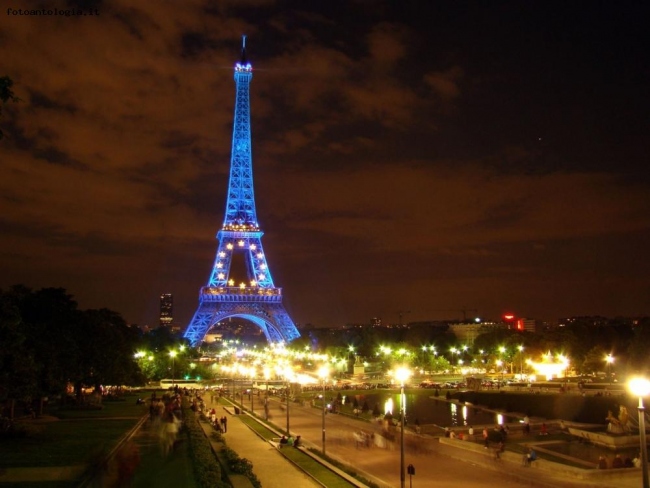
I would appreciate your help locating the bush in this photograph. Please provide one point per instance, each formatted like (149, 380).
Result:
(207, 471)
(240, 465)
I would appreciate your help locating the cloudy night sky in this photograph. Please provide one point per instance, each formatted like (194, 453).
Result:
(429, 156)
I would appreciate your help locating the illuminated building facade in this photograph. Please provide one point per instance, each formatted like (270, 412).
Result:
(166, 310)
(251, 294)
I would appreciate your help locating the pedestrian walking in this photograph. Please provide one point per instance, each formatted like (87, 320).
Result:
(500, 447)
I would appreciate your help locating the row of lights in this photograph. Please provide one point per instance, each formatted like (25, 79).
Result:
(241, 243)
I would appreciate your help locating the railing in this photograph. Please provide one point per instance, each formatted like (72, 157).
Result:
(237, 293)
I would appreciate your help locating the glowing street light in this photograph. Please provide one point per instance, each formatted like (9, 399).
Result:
(402, 374)
(499, 364)
(640, 387)
(323, 373)
(453, 351)
(609, 359)
(521, 361)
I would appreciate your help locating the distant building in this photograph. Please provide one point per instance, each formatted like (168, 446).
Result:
(467, 332)
(588, 321)
(529, 325)
(166, 310)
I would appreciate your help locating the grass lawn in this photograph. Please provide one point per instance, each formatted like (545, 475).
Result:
(257, 427)
(314, 468)
(63, 443)
(125, 407)
(77, 437)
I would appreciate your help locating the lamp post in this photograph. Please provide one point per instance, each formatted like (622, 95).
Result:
(499, 363)
(252, 373)
(287, 375)
(453, 351)
(521, 362)
(402, 375)
(267, 374)
(288, 391)
(172, 354)
(609, 359)
(323, 373)
(641, 387)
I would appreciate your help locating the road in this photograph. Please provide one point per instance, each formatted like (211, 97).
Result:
(434, 463)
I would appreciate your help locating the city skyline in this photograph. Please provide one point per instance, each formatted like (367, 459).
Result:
(409, 163)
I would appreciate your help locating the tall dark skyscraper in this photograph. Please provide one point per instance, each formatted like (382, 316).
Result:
(166, 310)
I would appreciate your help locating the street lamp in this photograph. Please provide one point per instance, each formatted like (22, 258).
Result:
(402, 374)
(287, 375)
(453, 351)
(173, 354)
(323, 373)
(609, 359)
(641, 387)
(267, 374)
(499, 363)
(521, 362)
(252, 375)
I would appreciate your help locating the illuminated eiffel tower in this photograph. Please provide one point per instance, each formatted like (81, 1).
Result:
(256, 299)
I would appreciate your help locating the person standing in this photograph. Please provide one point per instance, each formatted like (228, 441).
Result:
(602, 462)
(617, 462)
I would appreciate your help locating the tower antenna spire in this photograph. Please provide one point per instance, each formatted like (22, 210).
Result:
(243, 50)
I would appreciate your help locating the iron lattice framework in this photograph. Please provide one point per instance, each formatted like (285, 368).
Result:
(257, 299)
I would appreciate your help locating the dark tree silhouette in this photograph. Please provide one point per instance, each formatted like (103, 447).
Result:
(6, 94)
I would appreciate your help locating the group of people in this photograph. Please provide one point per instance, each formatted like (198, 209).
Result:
(290, 441)
(619, 462)
(166, 415)
(220, 424)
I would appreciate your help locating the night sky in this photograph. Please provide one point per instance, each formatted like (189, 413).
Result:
(428, 156)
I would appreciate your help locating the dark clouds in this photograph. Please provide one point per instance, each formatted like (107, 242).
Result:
(423, 157)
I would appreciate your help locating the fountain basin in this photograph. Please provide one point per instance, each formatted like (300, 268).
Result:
(604, 439)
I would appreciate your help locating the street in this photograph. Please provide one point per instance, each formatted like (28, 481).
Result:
(432, 461)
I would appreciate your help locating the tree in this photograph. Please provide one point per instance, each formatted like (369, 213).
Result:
(6, 94)
(17, 367)
(104, 351)
(48, 316)
(49, 343)
(594, 361)
(638, 350)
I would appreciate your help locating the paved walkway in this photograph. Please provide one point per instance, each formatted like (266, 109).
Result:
(269, 465)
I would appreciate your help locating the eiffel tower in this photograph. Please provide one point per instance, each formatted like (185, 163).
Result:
(256, 299)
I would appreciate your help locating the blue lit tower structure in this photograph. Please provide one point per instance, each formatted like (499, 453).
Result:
(256, 298)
